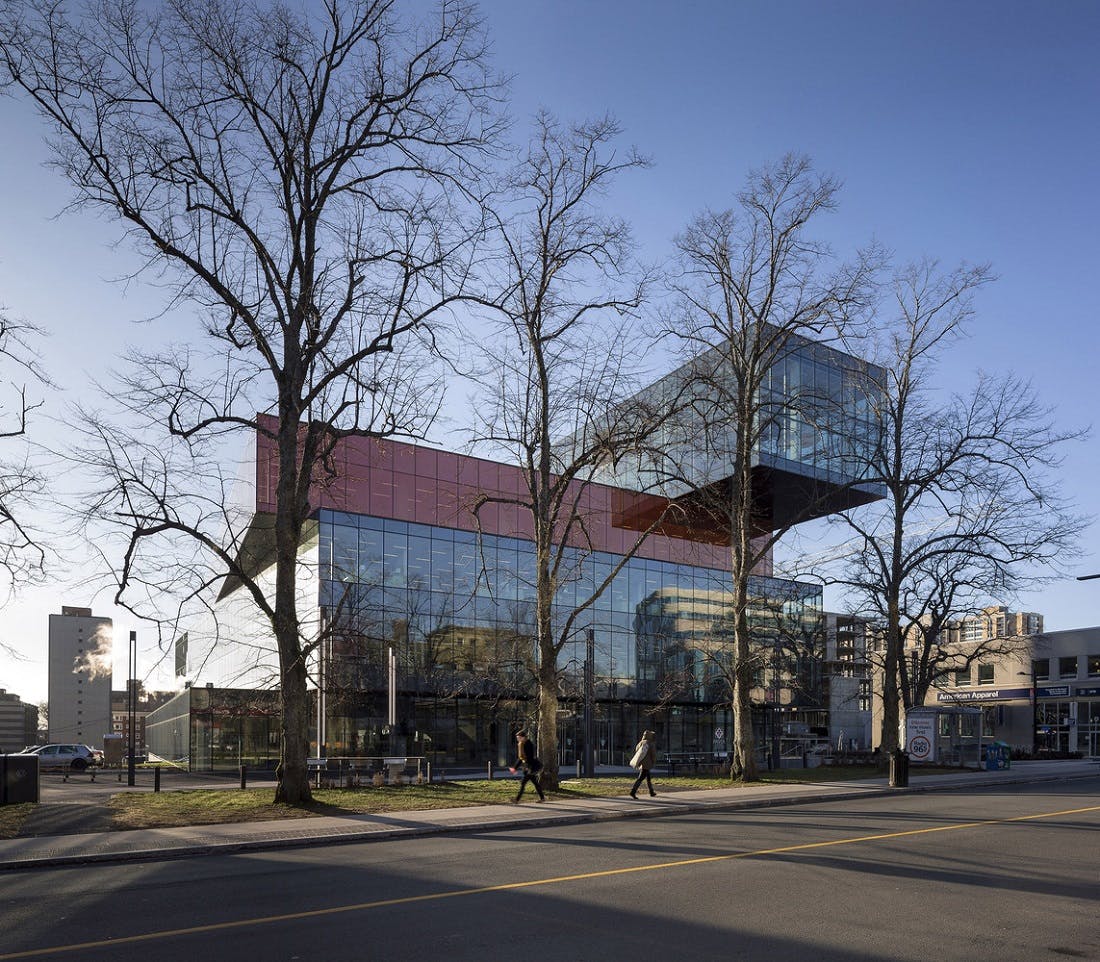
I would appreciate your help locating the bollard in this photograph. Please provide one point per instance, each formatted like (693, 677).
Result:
(578, 768)
(429, 767)
(244, 776)
(489, 774)
(156, 778)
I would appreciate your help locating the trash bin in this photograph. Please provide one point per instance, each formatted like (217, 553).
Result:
(899, 768)
(18, 779)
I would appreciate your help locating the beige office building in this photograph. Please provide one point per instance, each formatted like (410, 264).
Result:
(80, 662)
(1044, 696)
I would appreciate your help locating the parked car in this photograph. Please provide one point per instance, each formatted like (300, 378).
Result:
(76, 757)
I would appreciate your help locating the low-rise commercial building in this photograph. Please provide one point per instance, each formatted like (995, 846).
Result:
(1043, 697)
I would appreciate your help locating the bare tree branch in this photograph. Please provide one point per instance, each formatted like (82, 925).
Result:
(307, 178)
(754, 293)
(565, 292)
(973, 512)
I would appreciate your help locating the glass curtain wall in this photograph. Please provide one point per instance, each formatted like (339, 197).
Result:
(457, 610)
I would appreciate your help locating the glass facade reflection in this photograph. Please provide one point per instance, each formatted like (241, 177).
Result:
(816, 412)
(457, 609)
(217, 729)
(397, 561)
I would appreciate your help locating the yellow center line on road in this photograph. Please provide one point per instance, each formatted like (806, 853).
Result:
(512, 886)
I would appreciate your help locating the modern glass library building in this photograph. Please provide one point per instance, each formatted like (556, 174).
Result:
(400, 574)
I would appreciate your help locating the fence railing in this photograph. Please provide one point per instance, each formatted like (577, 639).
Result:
(356, 770)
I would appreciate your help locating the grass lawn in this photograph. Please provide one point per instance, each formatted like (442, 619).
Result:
(12, 818)
(206, 807)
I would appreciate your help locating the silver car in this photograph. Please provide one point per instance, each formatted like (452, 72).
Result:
(75, 757)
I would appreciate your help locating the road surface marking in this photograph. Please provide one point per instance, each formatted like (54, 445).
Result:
(512, 886)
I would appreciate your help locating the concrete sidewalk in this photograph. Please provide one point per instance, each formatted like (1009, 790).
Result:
(159, 843)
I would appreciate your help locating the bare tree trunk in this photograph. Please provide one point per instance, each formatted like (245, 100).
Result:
(548, 723)
(293, 787)
(744, 763)
(891, 711)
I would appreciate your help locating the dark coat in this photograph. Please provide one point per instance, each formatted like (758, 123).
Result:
(527, 760)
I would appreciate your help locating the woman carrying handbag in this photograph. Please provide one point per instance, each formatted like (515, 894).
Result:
(644, 758)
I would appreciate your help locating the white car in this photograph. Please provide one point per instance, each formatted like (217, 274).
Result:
(75, 757)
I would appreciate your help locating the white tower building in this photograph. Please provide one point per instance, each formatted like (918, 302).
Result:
(80, 677)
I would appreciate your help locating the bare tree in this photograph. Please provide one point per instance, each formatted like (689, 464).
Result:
(22, 545)
(560, 360)
(294, 174)
(972, 510)
(753, 292)
(22, 554)
(785, 652)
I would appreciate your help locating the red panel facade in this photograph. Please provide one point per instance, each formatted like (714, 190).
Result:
(408, 482)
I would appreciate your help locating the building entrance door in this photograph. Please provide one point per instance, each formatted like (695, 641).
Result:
(1091, 746)
(567, 741)
(1088, 730)
(606, 749)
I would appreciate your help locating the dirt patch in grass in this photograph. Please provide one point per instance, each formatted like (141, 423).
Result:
(12, 818)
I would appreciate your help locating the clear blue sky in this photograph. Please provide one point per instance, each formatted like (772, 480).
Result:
(960, 131)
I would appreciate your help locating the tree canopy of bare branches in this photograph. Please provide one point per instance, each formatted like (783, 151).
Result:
(753, 289)
(300, 177)
(564, 295)
(22, 553)
(972, 512)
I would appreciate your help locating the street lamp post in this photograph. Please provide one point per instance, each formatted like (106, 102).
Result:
(131, 705)
(589, 704)
(1034, 706)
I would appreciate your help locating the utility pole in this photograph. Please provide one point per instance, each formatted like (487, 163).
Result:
(131, 705)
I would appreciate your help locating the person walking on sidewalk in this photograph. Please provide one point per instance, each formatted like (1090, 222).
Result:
(644, 758)
(525, 759)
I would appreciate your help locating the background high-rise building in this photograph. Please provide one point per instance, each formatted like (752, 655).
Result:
(18, 723)
(997, 621)
(80, 676)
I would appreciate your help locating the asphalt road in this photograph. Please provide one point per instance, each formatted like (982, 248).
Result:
(1006, 873)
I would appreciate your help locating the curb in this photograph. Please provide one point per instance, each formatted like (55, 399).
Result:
(507, 823)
